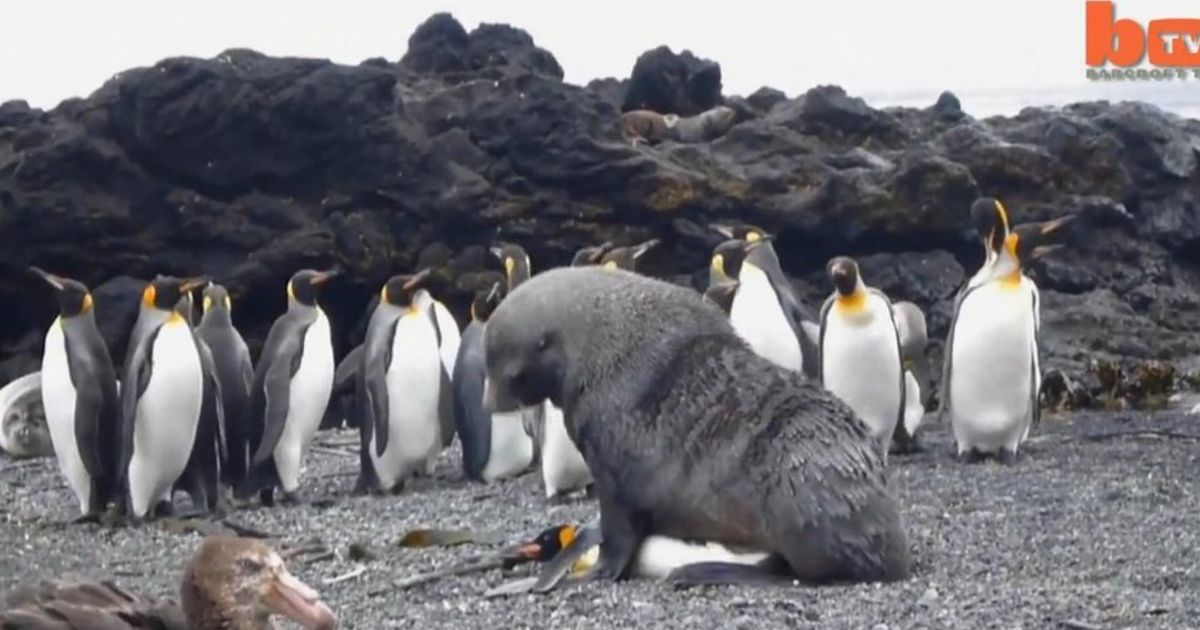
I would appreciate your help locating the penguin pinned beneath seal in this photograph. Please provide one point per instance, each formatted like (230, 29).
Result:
(170, 409)
(235, 372)
(494, 446)
(591, 255)
(292, 384)
(913, 340)
(991, 374)
(400, 388)
(627, 258)
(79, 396)
(694, 436)
(860, 353)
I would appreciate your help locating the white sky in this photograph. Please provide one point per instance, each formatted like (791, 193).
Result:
(54, 50)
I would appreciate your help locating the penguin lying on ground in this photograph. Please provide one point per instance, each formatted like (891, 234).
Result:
(170, 406)
(765, 261)
(292, 384)
(693, 436)
(79, 396)
(494, 446)
(991, 375)
(860, 353)
(400, 388)
(913, 339)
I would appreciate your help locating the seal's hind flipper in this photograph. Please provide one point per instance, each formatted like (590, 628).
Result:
(722, 573)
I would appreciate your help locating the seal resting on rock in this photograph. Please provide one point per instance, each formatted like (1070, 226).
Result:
(643, 125)
(690, 434)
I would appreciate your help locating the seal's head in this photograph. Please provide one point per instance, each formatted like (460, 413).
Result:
(572, 328)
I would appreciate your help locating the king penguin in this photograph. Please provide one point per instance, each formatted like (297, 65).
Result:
(801, 318)
(861, 361)
(168, 397)
(399, 386)
(627, 258)
(79, 397)
(291, 388)
(235, 372)
(563, 468)
(757, 312)
(495, 445)
(517, 269)
(991, 374)
(591, 255)
(913, 341)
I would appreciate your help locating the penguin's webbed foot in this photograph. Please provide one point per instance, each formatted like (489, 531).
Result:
(291, 498)
(164, 508)
(1007, 456)
(971, 456)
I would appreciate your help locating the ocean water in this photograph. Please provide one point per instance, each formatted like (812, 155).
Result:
(1182, 99)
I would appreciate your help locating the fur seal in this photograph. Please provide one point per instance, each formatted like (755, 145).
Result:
(692, 435)
(23, 430)
(644, 125)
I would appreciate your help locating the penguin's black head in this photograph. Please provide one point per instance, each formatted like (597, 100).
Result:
(843, 272)
(399, 290)
(727, 259)
(164, 292)
(486, 301)
(739, 231)
(73, 296)
(306, 283)
(990, 220)
(627, 257)
(216, 297)
(1030, 241)
(547, 544)
(721, 294)
(516, 263)
(591, 255)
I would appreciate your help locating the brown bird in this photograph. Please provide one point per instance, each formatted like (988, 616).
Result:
(229, 583)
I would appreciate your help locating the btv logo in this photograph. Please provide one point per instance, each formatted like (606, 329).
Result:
(1172, 45)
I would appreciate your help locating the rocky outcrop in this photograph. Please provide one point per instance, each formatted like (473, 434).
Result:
(247, 167)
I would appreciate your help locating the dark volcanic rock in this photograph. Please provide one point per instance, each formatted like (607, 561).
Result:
(671, 83)
(246, 168)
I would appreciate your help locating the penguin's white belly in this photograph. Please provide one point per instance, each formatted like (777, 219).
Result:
(451, 336)
(308, 396)
(58, 402)
(914, 411)
(413, 379)
(563, 466)
(512, 448)
(659, 555)
(990, 373)
(757, 317)
(861, 365)
(168, 414)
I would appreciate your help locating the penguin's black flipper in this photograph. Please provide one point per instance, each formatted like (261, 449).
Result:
(346, 371)
(473, 423)
(948, 355)
(560, 566)
(377, 358)
(723, 573)
(279, 363)
(133, 385)
(445, 390)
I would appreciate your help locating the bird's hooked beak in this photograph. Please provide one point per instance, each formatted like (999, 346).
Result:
(288, 596)
(722, 229)
(52, 279)
(494, 292)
